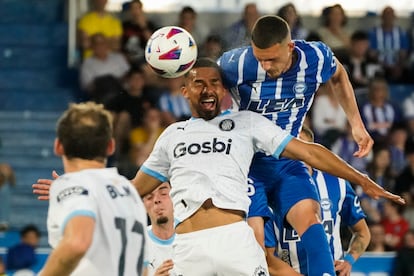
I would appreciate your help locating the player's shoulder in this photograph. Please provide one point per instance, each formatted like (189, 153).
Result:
(231, 57)
(310, 47)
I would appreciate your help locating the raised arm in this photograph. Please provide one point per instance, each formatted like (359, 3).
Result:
(319, 157)
(145, 183)
(341, 87)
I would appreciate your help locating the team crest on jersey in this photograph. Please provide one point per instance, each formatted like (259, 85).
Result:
(300, 87)
(227, 125)
(77, 190)
(326, 204)
(260, 271)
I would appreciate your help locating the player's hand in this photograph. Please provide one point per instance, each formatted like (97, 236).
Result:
(164, 268)
(364, 141)
(375, 191)
(343, 268)
(42, 187)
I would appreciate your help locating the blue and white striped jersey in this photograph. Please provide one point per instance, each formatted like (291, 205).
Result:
(339, 204)
(286, 99)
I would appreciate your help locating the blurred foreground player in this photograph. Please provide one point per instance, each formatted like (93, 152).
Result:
(96, 220)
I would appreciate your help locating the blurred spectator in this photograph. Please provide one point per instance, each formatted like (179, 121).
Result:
(404, 183)
(408, 107)
(357, 62)
(377, 243)
(408, 213)
(174, 107)
(2, 267)
(143, 138)
(378, 169)
(389, 45)
(187, 19)
(98, 20)
(397, 138)
(7, 180)
(333, 31)
(345, 147)
(101, 74)
(212, 47)
(404, 264)
(137, 29)
(239, 33)
(289, 13)
(22, 256)
(378, 113)
(395, 225)
(128, 109)
(328, 119)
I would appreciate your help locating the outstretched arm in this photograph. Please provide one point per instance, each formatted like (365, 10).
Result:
(42, 186)
(143, 182)
(341, 87)
(323, 159)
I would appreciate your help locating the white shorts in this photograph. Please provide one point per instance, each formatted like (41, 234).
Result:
(226, 250)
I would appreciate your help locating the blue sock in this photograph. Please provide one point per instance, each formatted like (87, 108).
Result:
(320, 260)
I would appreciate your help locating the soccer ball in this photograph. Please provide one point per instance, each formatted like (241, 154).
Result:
(171, 52)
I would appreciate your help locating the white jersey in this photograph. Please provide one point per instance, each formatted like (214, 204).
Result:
(118, 246)
(210, 159)
(158, 251)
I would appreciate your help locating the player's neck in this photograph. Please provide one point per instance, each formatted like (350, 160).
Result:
(77, 164)
(163, 231)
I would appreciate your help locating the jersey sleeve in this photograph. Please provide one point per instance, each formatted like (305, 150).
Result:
(229, 66)
(69, 200)
(158, 163)
(351, 211)
(268, 137)
(328, 61)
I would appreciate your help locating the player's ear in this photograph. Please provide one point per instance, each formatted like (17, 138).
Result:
(111, 147)
(58, 148)
(184, 92)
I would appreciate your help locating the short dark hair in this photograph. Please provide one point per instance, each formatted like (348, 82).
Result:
(269, 30)
(359, 35)
(188, 9)
(85, 130)
(205, 62)
(30, 228)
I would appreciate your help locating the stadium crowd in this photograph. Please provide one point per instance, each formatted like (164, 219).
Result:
(113, 72)
(374, 58)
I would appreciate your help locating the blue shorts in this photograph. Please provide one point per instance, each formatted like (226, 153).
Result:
(281, 182)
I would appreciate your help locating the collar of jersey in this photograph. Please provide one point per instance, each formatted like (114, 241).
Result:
(161, 241)
(225, 112)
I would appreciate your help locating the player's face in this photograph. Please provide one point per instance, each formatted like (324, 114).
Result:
(276, 59)
(204, 90)
(159, 205)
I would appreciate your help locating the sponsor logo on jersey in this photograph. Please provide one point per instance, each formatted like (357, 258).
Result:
(77, 190)
(260, 271)
(300, 87)
(227, 125)
(268, 106)
(214, 146)
(326, 204)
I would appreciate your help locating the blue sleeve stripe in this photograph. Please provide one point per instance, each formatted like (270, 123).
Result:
(282, 146)
(154, 174)
(77, 213)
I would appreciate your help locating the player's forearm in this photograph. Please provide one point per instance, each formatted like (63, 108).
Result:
(321, 158)
(62, 261)
(345, 95)
(360, 239)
